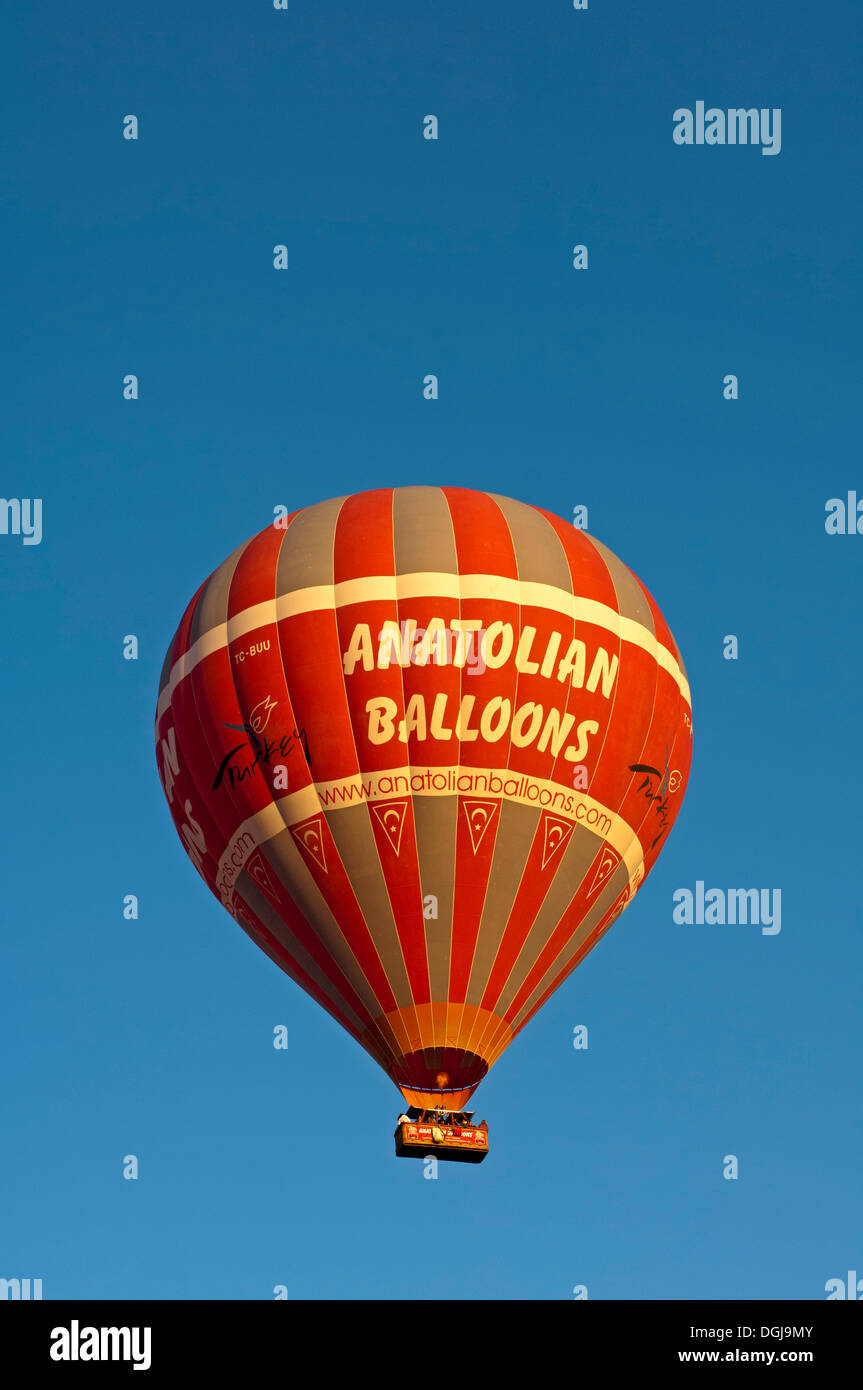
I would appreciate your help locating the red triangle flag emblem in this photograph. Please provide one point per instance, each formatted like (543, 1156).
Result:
(309, 835)
(480, 815)
(390, 815)
(257, 869)
(557, 832)
(606, 863)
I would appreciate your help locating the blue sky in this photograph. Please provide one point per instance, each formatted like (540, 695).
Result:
(601, 387)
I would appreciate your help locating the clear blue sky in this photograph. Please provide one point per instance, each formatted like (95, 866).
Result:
(557, 387)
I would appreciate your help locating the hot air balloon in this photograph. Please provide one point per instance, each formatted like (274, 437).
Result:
(425, 744)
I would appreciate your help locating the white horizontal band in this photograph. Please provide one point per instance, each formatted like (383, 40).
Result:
(391, 588)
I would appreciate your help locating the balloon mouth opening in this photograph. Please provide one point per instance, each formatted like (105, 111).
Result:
(437, 1100)
(425, 1083)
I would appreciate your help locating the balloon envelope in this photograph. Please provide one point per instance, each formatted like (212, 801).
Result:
(425, 744)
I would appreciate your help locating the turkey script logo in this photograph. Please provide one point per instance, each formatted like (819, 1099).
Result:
(262, 749)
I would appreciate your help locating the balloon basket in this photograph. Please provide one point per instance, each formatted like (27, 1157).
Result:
(447, 1135)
